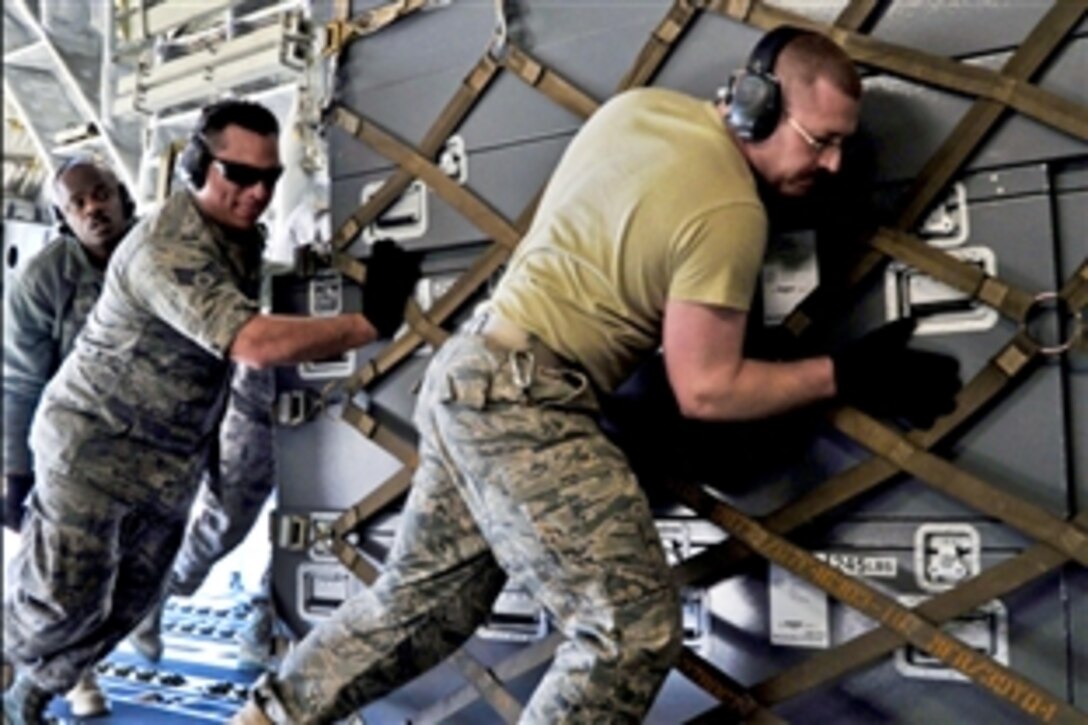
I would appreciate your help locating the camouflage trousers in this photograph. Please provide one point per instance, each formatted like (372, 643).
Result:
(515, 480)
(239, 480)
(88, 568)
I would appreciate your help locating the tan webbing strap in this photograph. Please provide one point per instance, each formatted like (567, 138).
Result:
(380, 434)
(1040, 44)
(550, 83)
(349, 266)
(389, 491)
(938, 473)
(659, 45)
(477, 211)
(737, 702)
(384, 495)
(514, 666)
(988, 585)
(487, 684)
(728, 558)
(992, 676)
(341, 32)
(1006, 299)
(458, 108)
(349, 556)
(856, 13)
(422, 325)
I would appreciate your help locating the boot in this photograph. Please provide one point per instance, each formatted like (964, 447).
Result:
(86, 699)
(146, 637)
(25, 702)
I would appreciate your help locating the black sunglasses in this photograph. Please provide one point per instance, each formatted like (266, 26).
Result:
(244, 175)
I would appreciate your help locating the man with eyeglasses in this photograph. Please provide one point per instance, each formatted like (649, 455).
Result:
(125, 428)
(650, 234)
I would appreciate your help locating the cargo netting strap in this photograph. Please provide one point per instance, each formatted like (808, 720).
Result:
(737, 702)
(660, 44)
(990, 675)
(341, 31)
(489, 686)
(546, 80)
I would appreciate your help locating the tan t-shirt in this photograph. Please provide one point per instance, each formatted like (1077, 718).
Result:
(652, 201)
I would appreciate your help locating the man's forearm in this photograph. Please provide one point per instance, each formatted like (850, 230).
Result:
(759, 389)
(286, 340)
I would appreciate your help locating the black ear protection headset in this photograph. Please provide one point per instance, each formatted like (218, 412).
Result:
(197, 156)
(754, 94)
(128, 205)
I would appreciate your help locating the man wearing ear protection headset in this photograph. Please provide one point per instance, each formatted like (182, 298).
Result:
(125, 427)
(650, 234)
(45, 308)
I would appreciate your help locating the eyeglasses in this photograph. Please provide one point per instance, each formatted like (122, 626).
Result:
(244, 175)
(817, 145)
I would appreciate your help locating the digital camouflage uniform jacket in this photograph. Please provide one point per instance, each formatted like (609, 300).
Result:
(134, 407)
(46, 307)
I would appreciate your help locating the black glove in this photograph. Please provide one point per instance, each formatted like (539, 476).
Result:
(879, 374)
(391, 276)
(16, 488)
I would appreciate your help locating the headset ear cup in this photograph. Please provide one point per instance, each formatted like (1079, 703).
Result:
(753, 105)
(194, 161)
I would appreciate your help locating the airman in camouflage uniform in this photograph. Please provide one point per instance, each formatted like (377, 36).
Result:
(124, 428)
(45, 308)
(649, 235)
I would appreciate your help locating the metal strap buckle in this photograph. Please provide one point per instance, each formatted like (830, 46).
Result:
(1053, 301)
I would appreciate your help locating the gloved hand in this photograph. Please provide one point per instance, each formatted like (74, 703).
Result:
(879, 374)
(16, 488)
(391, 276)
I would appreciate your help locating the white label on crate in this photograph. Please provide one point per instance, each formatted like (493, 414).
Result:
(799, 611)
(790, 272)
(873, 567)
(985, 630)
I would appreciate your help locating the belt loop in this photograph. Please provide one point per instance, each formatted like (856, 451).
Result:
(522, 374)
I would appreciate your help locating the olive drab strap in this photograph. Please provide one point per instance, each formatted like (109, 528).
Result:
(659, 45)
(896, 453)
(342, 31)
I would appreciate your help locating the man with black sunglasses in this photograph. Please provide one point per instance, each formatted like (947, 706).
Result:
(124, 429)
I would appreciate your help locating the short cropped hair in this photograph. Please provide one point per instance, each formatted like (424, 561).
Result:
(810, 56)
(246, 114)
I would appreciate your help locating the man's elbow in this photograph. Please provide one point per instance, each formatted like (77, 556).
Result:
(249, 350)
(697, 402)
